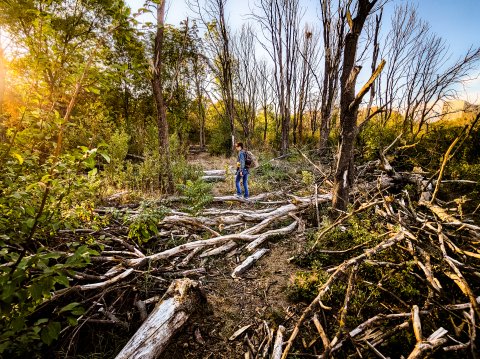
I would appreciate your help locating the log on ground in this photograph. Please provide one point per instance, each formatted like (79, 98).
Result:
(182, 298)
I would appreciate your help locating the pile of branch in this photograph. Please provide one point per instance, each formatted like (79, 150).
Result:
(444, 250)
(123, 264)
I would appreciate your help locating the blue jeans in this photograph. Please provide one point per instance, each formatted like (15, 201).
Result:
(243, 178)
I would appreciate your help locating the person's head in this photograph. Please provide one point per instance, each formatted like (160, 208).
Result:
(239, 146)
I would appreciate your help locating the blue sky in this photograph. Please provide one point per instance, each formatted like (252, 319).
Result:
(456, 21)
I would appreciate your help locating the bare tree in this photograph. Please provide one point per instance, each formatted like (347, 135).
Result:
(308, 51)
(313, 109)
(279, 21)
(157, 83)
(264, 89)
(246, 81)
(199, 78)
(418, 76)
(349, 103)
(333, 43)
(397, 48)
(212, 16)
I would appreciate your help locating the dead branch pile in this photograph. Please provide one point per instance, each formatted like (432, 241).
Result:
(427, 243)
(110, 288)
(430, 246)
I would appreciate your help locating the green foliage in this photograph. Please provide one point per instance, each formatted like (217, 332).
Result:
(198, 195)
(40, 194)
(308, 179)
(375, 136)
(305, 285)
(218, 128)
(25, 284)
(117, 150)
(144, 225)
(272, 173)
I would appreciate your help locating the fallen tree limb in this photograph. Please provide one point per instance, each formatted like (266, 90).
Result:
(334, 276)
(277, 347)
(183, 297)
(247, 263)
(242, 236)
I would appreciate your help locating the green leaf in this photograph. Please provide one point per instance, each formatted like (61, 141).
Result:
(93, 172)
(94, 90)
(69, 307)
(62, 280)
(50, 332)
(18, 157)
(106, 157)
(36, 290)
(30, 222)
(41, 321)
(72, 321)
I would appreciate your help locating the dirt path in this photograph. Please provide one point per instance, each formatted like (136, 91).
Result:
(261, 294)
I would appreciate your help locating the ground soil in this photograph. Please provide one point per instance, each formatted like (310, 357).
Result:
(261, 294)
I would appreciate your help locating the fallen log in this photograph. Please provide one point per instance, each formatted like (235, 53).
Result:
(247, 263)
(182, 298)
(219, 250)
(277, 347)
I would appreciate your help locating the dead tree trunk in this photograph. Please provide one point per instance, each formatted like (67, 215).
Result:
(349, 105)
(183, 297)
(157, 84)
(333, 30)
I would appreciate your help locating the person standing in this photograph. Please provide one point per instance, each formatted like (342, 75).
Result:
(242, 172)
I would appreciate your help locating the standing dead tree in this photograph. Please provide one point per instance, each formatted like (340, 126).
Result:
(279, 21)
(157, 84)
(418, 75)
(333, 42)
(199, 79)
(264, 89)
(349, 103)
(245, 81)
(219, 46)
(309, 53)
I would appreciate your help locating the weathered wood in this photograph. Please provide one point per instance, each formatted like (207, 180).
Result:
(214, 172)
(219, 250)
(239, 332)
(247, 263)
(432, 342)
(169, 315)
(277, 347)
(252, 245)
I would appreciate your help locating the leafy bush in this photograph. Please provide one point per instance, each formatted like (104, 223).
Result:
(145, 224)
(25, 286)
(117, 150)
(198, 195)
(38, 196)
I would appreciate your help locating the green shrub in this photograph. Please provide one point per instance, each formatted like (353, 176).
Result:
(305, 285)
(198, 195)
(143, 226)
(117, 150)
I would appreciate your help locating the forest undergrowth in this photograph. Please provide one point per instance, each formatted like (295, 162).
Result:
(397, 275)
